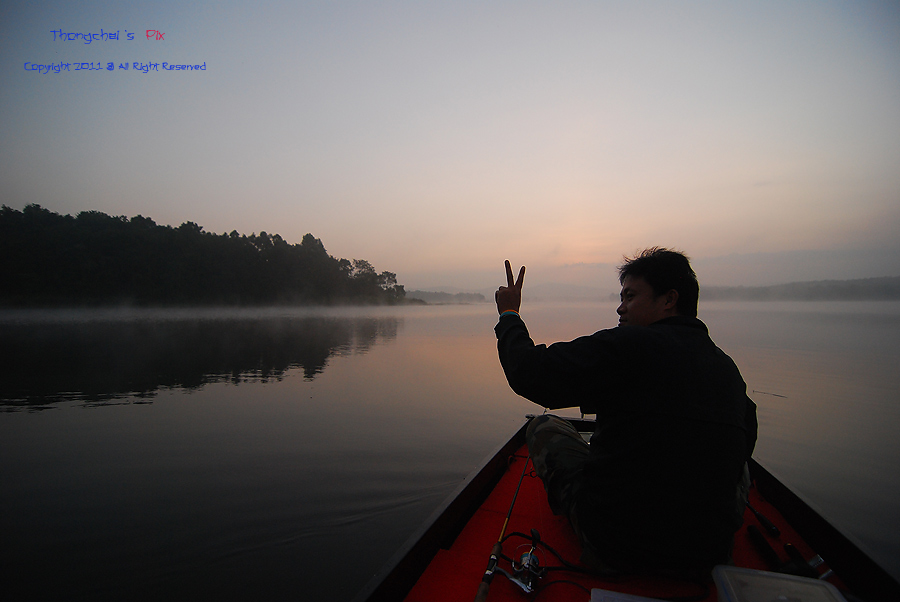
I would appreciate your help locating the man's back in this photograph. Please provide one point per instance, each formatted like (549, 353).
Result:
(659, 487)
(674, 428)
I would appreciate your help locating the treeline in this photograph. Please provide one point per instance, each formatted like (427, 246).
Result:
(861, 289)
(97, 259)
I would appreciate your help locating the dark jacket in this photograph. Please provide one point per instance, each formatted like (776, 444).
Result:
(674, 429)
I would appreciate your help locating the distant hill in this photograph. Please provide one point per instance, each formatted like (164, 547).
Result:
(446, 298)
(557, 291)
(863, 289)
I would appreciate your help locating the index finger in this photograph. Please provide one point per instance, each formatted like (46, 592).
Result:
(509, 275)
(520, 278)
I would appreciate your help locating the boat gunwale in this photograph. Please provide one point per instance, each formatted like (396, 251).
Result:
(398, 575)
(859, 572)
(862, 575)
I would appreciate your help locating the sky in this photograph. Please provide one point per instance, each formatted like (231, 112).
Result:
(436, 139)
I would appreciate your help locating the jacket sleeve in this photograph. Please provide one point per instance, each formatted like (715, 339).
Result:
(558, 376)
(751, 426)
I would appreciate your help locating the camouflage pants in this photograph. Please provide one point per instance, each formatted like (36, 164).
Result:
(558, 453)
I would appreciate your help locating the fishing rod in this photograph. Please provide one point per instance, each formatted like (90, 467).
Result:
(497, 550)
(765, 522)
(767, 393)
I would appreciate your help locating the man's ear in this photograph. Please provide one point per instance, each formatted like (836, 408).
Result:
(671, 301)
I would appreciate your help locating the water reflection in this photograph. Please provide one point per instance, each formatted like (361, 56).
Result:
(115, 359)
(267, 489)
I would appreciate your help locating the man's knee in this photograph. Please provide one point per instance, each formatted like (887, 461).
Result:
(554, 443)
(558, 453)
(547, 427)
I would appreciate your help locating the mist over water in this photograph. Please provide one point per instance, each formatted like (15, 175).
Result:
(288, 453)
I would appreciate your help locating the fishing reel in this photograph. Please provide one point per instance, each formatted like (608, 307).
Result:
(527, 570)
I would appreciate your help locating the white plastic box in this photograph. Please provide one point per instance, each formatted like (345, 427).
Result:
(747, 585)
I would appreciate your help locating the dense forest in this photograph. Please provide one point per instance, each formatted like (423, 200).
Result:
(97, 259)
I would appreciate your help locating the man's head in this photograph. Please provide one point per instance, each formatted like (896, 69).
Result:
(657, 284)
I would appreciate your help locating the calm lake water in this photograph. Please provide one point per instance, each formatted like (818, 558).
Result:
(287, 453)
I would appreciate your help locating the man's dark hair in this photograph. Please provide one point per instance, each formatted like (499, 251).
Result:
(664, 270)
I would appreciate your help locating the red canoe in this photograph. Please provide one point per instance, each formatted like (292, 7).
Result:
(446, 558)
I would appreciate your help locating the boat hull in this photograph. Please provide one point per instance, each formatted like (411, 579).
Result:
(464, 513)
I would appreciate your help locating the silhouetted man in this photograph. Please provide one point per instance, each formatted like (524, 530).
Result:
(662, 485)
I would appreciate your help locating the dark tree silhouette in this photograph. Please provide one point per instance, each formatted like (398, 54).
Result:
(93, 258)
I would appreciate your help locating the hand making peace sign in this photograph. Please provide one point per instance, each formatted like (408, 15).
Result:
(509, 297)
